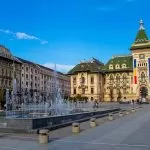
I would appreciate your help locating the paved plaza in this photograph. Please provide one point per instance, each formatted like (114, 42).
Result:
(131, 132)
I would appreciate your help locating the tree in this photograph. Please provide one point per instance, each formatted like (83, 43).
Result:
(78, 98)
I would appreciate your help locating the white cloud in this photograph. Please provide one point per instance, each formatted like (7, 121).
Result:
(59, 67)
(23, 36)
(6, 31)
(44, 42)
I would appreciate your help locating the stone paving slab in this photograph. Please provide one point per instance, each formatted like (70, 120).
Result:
(131, 132)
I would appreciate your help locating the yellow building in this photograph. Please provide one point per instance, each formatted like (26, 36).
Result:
(118, 78)
(87, 80)
(122, 78)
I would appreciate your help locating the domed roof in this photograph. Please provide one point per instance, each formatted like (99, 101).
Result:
(4, 52)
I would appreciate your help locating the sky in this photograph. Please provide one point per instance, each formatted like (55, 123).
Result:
(65, 32)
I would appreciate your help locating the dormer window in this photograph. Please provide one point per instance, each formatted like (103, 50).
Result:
(110, 66)
(117, 66)
(124, 66)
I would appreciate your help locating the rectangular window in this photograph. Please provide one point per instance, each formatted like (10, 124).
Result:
(74, 80)
(10, 73)
(92, 90)
(124, 91)
(2, 81)
(35, 78)
(74, 91)
(27, 84)
(83, 91)
(9, 83)
(92, 80)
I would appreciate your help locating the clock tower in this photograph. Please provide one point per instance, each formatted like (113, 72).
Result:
(141, 64)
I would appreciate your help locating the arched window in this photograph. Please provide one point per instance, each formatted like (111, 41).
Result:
(117, 66)
(82, 79)
(111, 78)
(123, 65)
(117, 79)
(124, 78)
(142, 77)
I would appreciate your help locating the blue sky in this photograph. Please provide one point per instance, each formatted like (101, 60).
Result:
(65, 32)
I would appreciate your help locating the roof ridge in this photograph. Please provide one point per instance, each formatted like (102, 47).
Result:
(115, 56)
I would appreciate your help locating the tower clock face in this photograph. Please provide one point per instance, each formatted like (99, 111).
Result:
(141, 56)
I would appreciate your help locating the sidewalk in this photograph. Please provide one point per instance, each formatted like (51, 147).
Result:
(131, 132)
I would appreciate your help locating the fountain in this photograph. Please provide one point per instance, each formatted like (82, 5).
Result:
(34, 112)
(31, 107)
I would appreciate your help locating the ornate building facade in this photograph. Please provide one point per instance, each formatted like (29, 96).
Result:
(122, 77)
(87, 79)
(10, 68)
(29, 77)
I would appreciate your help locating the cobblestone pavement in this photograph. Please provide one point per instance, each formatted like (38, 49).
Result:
(131, 132)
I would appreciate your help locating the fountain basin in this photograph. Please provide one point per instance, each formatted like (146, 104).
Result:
(27, 125)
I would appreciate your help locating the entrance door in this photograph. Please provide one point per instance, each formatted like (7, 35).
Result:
(143, 92)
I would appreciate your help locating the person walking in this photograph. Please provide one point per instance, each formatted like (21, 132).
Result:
(133, 102)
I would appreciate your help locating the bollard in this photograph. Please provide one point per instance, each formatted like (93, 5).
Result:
(127, 112)
(43, 136)
(138, 109)
(93, 122)
(110, 117)
(120, 114)
(133, 110)
(75, 128)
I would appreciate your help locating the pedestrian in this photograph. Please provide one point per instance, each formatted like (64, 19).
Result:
(133, 102)
(138, 101)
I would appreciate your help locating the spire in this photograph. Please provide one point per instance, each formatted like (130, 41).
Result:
(141, 25)
(141, 35)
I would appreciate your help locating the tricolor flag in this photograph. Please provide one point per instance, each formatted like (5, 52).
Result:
(149, 68)
(135, 71)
